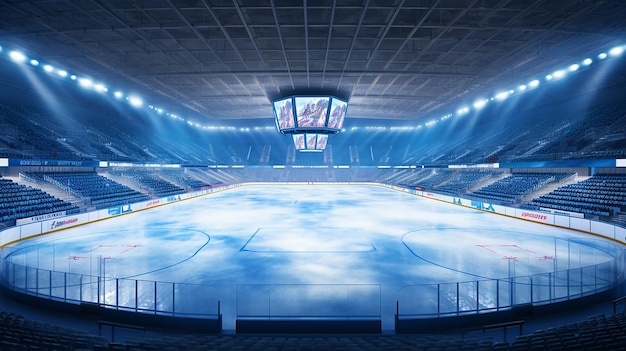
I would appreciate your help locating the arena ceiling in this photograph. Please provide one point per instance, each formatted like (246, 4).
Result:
(393, 59)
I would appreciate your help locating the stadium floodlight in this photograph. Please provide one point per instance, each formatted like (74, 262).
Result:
(118, 94)
(62, 73)
(502, 96)
(73, 77)
(48, 68)
(480, 104)
(522, 87)
(533, 83)
(100, 88)
(17, 56)
(602, 55)
(549, 77)
(85, 83)
(463, 110)
(135, 101)
(587, 61)
(34, 62)
(616, 51)
(574, 67)
(559, 74)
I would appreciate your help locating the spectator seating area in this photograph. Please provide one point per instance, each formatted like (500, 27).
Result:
(219, 176)
(556, 132)
(444, 181)
(433, 179)
(419, 178)
(600, 195)
(20, 334)
(188, 181)
(152, 183)
(510, 189)
(19, 201)
(599, 332)
(99, 191)
(460, 184)
(596, 333)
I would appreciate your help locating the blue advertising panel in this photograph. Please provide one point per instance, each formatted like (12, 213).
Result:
(14, 162)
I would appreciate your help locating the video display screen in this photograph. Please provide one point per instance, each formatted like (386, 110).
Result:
(284, 114)
(322, 140)
(298, 141)
(310, 141)
(337, 113)
(311, 111)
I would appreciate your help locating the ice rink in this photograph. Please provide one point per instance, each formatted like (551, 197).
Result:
(369, 243)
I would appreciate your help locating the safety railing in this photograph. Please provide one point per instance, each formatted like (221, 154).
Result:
(308, 301)
(490, 295)
(153, 297)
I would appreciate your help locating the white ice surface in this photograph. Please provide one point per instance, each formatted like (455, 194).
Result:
(314, 234)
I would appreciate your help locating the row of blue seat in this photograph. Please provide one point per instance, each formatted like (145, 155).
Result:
(20, 201)
(152, 183)
(600, 195)
(96, 189)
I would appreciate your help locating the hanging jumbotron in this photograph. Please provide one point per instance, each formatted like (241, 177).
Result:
(310, 119)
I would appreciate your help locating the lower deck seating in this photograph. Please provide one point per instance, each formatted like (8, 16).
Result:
(96, 189)
(600, 195)
(511, 188)
(20, 201)
(152, 183)
(596, 333)
(460, 184)
(19, 333)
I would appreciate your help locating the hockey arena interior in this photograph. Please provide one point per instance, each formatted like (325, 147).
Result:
(298, 175)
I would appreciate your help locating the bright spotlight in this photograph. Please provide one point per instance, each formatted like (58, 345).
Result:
(34, 62)
(135, 101)
(85, 83)
(48, 68)
(118, 94)
(480, 104)
(462, 110)
(602, 56)
(558, 74)
(521, 87)
(549, 77)
(587, 61)
(574, 67)
(17, 56)
(616, 51)
(534, 83)
(62, 73)
(502, 96)
(73, 77)
(100, 88)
